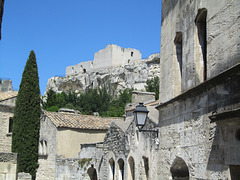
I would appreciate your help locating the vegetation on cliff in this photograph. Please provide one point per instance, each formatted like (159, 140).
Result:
(26, 125)
(92, 100)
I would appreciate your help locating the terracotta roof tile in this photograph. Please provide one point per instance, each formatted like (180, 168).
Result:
(63, 119)
(7, 95)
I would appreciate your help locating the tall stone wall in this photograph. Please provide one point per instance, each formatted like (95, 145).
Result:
(186, 131)
(47, 159)
(183, 65)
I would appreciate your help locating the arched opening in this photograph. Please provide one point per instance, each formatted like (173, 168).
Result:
(202, 37)
(179, 169)
(111, 169)
(84, 71)
(92, 173)
(146, 167)
(131, 172)
(120, 169)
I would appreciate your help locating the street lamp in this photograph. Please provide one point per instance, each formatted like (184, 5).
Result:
(140, 115)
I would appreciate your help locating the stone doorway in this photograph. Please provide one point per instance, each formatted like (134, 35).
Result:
(179, 169)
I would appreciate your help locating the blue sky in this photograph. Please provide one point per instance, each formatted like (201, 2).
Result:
(64, 33)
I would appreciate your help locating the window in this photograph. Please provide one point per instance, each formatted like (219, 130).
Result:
(111, 169)
(120, 169)
(131, 54)
(131, 169)
(202, 38)
(146, 167)
(43, 151)
(178, 44)
(10, 126)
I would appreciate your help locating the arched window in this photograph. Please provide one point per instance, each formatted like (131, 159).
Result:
(179, 169)
(202, 39)
(43, 149)
(111, 169)
(146, 167)
(120, 169)
(92, 172)
(178, 64)
(178, 44)
(131, 174)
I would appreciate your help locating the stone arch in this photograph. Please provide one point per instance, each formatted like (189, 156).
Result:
(179, 169)
(131, 168)
(92, 173)
(111, 169)
(120, 169)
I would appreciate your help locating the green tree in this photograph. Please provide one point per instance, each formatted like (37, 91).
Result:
(153, 86)
(25, 135)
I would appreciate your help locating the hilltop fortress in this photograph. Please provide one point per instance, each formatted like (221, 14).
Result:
(111, 56)
(114, 66)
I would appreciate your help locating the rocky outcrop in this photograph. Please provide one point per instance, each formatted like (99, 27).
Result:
(131, 75)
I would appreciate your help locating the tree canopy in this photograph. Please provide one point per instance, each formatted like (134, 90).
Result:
(26, 124)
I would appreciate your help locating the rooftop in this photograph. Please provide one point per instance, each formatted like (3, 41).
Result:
(8, 95)
(78, 121)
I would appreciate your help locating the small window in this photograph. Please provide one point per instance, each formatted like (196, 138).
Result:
(10, 125)
(237, 135)
(43, 150)
(131, 54)
(202, 37)
(84, 71)
(178, 44)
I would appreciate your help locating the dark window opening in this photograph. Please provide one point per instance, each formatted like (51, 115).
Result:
(202, 37)
(146, 166)
(121, 169)
(131, 54)
(10, 125)
(92, 173)
(178, 44)
(237, 135)
(84, 71)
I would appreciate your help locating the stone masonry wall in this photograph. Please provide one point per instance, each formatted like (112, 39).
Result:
(8, 166)
(186, 130)
(47, 161)
(222, 43)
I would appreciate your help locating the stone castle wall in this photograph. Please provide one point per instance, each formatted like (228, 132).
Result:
(110, 56)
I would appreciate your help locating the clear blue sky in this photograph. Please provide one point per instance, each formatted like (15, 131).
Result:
(64, 33)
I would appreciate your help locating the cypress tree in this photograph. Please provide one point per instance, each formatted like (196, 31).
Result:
(26, 125)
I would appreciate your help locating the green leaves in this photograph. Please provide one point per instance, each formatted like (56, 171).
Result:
(92, 100)
(26, 123)
(153, 86)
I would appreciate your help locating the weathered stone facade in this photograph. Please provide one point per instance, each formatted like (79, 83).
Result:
(8, 166)
(7, 103)
(199, 90)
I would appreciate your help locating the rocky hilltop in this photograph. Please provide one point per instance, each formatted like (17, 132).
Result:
(115, 67)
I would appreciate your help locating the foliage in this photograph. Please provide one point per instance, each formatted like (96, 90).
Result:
(153, 86)
(25, 135)
(90, 101)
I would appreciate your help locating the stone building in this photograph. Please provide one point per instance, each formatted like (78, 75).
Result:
(128, 153)
(112, 55)
(199, 90)
(61, 136)
(7, 104)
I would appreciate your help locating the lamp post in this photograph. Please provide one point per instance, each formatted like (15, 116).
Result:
(140, 115)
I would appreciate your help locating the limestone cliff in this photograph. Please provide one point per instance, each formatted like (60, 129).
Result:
(132, 74)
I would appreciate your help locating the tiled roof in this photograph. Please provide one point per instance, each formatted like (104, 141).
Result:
(7, 95)
(63, 119)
